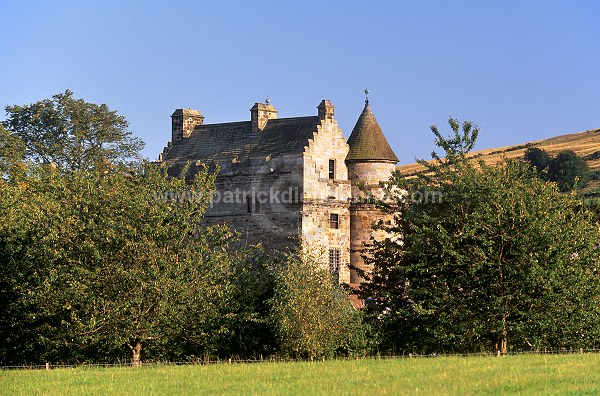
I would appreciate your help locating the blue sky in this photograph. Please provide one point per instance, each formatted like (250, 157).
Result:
(521, 70)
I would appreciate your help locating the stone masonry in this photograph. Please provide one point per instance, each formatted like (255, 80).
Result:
(284, 181)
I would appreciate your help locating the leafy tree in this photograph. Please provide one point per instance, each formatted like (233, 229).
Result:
(116, 264)
(313, 316)
(22, 251)
(99, 263)
(11, 152)
(251, 332)
(457, 146)
(537, 157)
(569, 171)
(99, 255)
(504, 261)
(71, 133)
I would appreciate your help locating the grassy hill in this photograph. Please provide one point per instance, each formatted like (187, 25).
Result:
(585, 144)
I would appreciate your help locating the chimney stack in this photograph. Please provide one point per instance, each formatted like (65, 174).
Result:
(260, 113)
(325, 110)
(183, 122)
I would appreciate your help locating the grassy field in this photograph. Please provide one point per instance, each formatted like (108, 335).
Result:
(522, 374)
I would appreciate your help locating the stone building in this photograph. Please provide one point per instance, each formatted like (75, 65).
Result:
(282, 180)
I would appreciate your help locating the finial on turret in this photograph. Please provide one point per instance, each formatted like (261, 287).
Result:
(366, 96)
(267, 101)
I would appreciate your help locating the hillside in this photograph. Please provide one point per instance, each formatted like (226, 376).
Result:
(586, 144)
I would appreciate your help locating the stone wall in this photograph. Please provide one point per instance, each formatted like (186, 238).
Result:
(363, 213)
(370, 172)
(362, 218)
(261, 199)
(324, 196)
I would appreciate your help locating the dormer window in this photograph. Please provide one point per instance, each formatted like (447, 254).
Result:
(332, 169)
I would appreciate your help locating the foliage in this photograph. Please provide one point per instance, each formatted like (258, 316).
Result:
(537, 157)
(504, 261)
(567, 170)
(457, 146)
(94, 263)
(11, 153)
(98, 254)
(71, 133)
(313, 317)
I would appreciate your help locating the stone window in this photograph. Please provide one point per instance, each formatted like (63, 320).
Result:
(252, 203)
(257, 205)
(248, 200)
(334, 220)
(332, 169)
(334, 260)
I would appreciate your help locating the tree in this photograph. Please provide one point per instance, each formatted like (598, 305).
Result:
(22, 251)
(71, 133)
(116, 263)
(569, 171)
(504, 261)
(95, 264)
(99, 254)
(537, 157)
(11, 153)
(313, 316)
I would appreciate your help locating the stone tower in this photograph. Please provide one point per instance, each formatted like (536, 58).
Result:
(370, 160)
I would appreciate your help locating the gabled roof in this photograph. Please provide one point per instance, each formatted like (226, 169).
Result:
(367, 142)
(217, 142)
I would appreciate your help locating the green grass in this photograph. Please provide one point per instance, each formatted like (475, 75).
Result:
(522, 374)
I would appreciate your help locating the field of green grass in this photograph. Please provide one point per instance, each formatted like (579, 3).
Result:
(522, 374)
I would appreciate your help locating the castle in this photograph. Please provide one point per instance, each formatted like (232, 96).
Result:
(281, 178)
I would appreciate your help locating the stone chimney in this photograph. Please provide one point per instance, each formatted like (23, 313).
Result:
(260, 113)
(183, 122)
(325, 110)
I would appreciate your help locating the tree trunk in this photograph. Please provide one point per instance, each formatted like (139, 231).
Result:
(502, 344)
(136, 353)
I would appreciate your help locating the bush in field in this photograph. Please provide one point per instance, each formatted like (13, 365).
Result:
(313, 316)
(567, 170)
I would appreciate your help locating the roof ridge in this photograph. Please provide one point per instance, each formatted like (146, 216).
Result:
(224, 123)
(293, 118)
(248, 121)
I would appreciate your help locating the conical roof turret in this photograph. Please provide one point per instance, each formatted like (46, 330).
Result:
(367, 142)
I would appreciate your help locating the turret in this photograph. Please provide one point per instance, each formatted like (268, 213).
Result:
(370, 160)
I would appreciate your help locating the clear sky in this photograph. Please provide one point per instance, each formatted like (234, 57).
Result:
(522, 70)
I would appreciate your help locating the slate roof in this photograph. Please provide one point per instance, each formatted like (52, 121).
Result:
(215, 142)
(367, 142)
